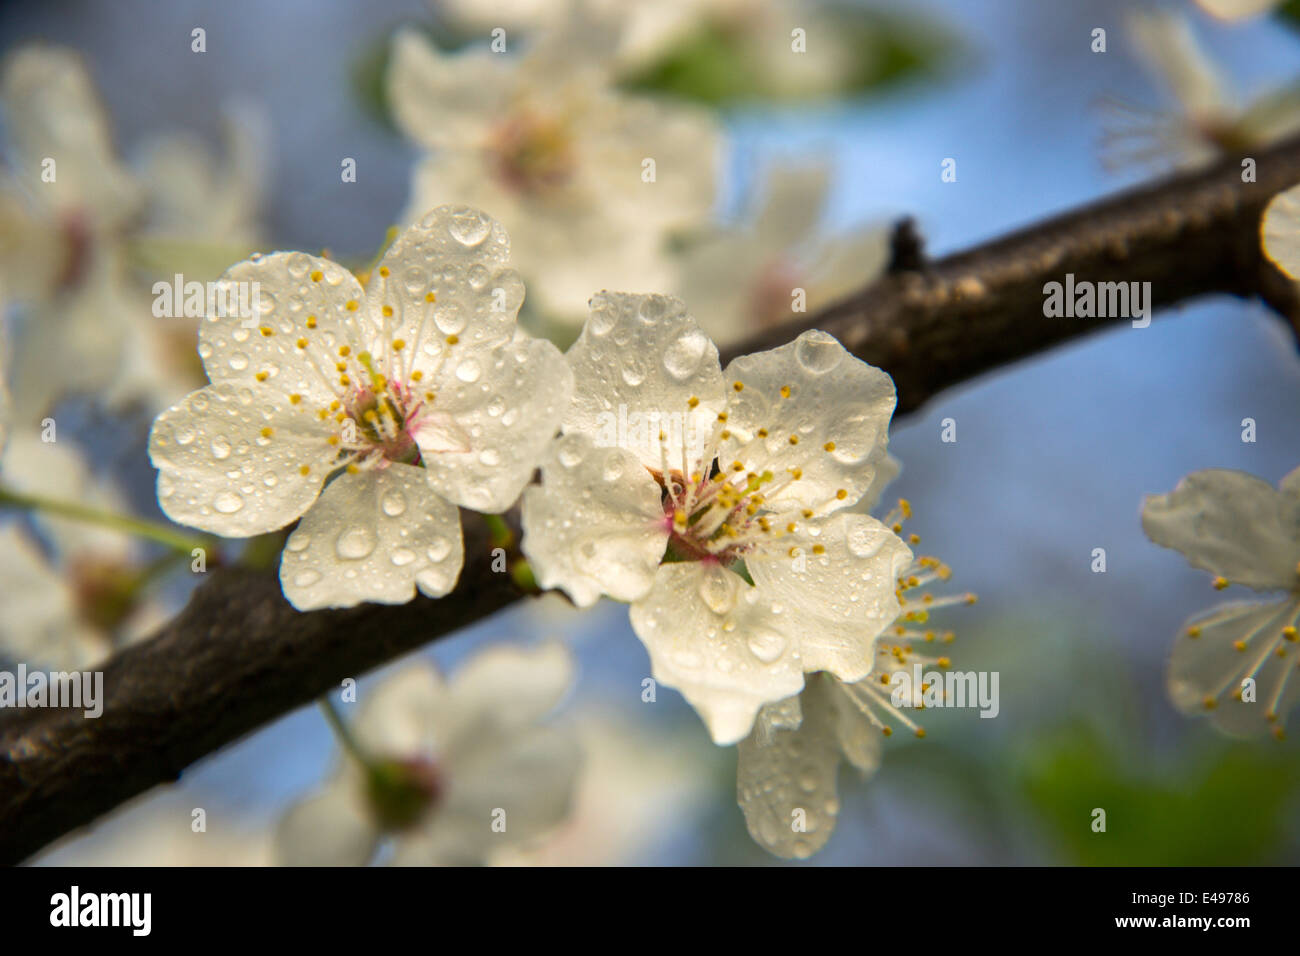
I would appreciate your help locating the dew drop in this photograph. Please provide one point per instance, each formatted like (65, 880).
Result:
(766, 645)
(355, 543)
(393, 503)
(470, 227)
(818, 352)
(228, 502)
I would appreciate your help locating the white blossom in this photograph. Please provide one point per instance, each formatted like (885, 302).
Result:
(592, 181)
(454, 772)
(745, 277)
(715, 503)
(1210, 119)
(418, 392)
(1236, 662)
(72, 590)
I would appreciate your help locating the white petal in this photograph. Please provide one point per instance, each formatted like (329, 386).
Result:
(40, 625)
(460, 257)
(375, 536)
(596, 523)
(529, 775)
(1237, 9)
(1166, 45)
(1234, 642)
(860, 738)
(1290, 484)
(711, 637)
(508, 403)
(793, 199)
(1281, 231)
(644, 356)
(58, 470)
(219, 472)
(330, 828)
(398, 717)
(785, 781)
(1231, 524)
(52, 110)
(843, 597)
(833, 398)
(501, 689)
(443, 100)
(309, 320)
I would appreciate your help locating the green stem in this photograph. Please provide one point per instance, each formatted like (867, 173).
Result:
(151, 530)
(499, 531)
(343, 732)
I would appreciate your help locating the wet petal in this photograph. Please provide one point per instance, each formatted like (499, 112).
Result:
(1231, 524)
(785, 779)
(637, 364)
(508, 403)
(711, 636)
(375, 536)
(233, 465)
(595, 525)
(812, 409)
(843, 596)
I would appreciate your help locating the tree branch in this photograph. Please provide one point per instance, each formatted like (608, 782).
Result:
(238, 655)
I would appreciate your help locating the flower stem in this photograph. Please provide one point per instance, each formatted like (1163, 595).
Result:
(343, 733)
(150, 530)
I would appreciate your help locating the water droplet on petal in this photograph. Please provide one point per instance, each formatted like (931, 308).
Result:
(682, 358)
(470, 227)
(718, 590)
(393, 503)
(228, 502)
(355, 543)
(818, 352)
(766, 645)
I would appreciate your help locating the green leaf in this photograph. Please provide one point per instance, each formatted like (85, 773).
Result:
(722, 65)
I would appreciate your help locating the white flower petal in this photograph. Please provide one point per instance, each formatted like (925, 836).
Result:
(1281, 231)
(330, 828)
(40, 625)
(530, 775)
(711, 636)
(219, 471)
(844, 597)
(1230, 524)
(1237, 9)
(398, 717)
(1168, 48)
(308, 319)
(459, 258)
(644, 355)
(508, 403)
(443, 100)
(501, 689)
(833, 398)
(792, 203)
(861, 739)
(52, 110)
(58, 470)
(785, 781)
(596, 523)
(1233, 642)
(375, 536)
